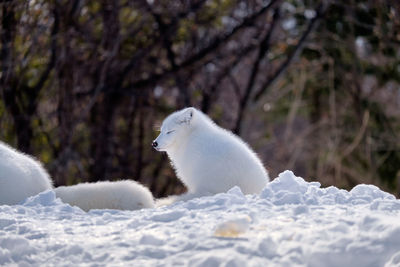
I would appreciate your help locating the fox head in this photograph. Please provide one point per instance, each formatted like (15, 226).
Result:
(174, 128)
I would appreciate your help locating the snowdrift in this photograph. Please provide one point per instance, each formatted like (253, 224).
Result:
(291, 223)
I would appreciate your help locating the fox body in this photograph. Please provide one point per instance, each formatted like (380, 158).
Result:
(21, 176)
(207, 158)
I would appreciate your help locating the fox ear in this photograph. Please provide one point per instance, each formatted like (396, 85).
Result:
(187, 116)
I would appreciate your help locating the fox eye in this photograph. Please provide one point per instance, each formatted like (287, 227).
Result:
(170, 131)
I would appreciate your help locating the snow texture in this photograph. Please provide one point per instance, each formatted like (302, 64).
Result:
(291, 223)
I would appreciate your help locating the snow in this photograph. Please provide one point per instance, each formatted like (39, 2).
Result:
(291, 223)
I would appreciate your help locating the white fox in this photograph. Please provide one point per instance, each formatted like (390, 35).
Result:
(22, 176)
(207, 158)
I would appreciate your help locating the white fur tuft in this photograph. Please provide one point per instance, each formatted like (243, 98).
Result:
(121, 195)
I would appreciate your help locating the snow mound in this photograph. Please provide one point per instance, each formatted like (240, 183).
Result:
(291, 223)
(47, 198)
(290, 189)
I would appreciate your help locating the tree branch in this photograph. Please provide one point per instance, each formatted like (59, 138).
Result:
(320, 12)
(264, 48)
(173, 25)
(165, 34)
(226, 37)
(156, 77)
(52, 61)
(209, 96)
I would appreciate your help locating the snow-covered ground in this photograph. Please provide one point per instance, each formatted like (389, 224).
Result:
(292, 223)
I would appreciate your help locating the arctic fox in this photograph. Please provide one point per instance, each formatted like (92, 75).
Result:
(21, 176)
(121, 195)
(207, 158)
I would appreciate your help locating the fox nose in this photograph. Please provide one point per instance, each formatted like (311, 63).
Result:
(154, 144)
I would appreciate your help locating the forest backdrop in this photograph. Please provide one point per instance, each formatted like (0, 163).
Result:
(313, 86)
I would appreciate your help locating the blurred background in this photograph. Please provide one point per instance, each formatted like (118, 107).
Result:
(313, 86)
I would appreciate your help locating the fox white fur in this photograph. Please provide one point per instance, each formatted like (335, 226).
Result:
(121, 195)
(207, 158)
(21, 176)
